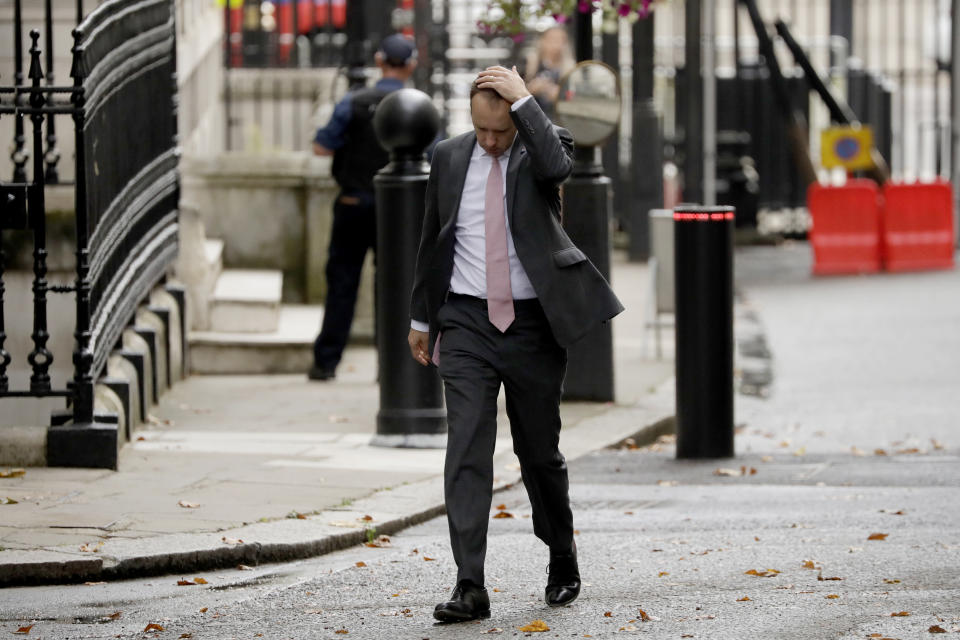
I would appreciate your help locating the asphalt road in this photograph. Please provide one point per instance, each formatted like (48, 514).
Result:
(856, 437)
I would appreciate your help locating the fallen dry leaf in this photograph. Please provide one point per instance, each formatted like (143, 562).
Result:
(663, 573)
(204, 610)
(13, 473)
(644, 616)
(243, 567)
(936, 629)
(186, 635)
(24, 630)
(832, 596)
(503, 514)
(493, 630)
(900, 614)
(152, 627)
(428, 559)
(722, 471)
(535, 626)
(188, 505)
(366, 518)
(8, 501)
(379, 541)
(744, 599)
(86, 548)
(822, 579)
(762, 573)
(878, 536)
(186, 583)
(361, 564)
(808, 564)
(936, 445)
(910, 451)
(501, 507)
(608, 614)
(858, 452)
(879, 452)
(342, 631)
(93, 584)
(115, 615)
(891, 581)
(227, 540)
(666, 483)
(766, 459)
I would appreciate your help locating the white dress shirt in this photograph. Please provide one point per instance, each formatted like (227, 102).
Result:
(470, 249)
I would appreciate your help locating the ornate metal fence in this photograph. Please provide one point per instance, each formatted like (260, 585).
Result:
(123, 104)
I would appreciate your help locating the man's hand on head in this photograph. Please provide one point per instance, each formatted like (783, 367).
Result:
(506, 82)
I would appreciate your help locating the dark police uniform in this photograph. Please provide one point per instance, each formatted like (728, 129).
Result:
(357, 158)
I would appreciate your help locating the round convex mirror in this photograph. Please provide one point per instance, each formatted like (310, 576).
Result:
(589, 102)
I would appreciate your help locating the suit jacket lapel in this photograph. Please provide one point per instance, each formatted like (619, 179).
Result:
(459, 163)
(513, 168)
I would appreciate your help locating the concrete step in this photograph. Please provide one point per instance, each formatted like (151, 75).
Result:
(289, 349)
(213, 258)
(246, 301)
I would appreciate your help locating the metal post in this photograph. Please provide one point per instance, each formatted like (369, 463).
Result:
(693, 109)
(422, 19)
(82, 355)
(610, 152)
(646, 166)
(40, 357)
(587, 203)
(709, 104)
(19, 154)
(841, 24)
(52, 155)
(227, 54)
(411, 396)
(357, 45)
(703, 285)
(955, 111)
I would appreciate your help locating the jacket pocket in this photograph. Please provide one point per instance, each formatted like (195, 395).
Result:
(569, 256)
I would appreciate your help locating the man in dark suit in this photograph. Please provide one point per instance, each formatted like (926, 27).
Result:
(500, 291)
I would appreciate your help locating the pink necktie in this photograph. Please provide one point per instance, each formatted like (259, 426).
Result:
(499, 296)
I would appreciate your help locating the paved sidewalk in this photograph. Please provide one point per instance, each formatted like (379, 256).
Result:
(251, 469)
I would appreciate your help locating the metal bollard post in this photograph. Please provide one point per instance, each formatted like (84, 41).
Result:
(703, 272)
(411, 396)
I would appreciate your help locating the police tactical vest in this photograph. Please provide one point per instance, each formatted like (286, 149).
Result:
(361, 156)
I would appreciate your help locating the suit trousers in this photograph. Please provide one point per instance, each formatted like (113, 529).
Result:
(475, 359)
(354, 231)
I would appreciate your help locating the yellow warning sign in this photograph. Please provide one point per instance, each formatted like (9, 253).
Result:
(847, 147)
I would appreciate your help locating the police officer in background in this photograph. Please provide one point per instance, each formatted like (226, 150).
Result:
(357, 157)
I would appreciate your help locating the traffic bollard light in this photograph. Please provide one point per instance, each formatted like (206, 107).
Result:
(703, 272)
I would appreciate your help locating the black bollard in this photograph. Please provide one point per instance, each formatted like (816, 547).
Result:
(703, 272)
(411, 395)
(587, 204)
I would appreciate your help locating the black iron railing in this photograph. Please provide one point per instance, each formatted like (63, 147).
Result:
(123, 105)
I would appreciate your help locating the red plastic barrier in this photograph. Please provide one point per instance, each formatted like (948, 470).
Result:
(845, 236)
(918, 228)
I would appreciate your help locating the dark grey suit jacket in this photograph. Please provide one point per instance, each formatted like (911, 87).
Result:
(573, 294)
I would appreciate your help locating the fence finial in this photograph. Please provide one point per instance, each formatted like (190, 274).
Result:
(36, 70)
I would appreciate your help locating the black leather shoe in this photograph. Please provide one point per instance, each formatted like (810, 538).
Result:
(468, 602)
(563, 585)
(321, 373)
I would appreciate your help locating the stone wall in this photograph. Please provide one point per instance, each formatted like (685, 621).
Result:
(273, 211)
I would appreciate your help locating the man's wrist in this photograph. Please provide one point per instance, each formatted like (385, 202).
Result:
(519, 102)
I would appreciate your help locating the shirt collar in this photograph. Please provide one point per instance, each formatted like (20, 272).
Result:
(389, 84)
(478, 151)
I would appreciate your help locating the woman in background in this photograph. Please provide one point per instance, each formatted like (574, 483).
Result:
(546, 65)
